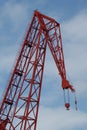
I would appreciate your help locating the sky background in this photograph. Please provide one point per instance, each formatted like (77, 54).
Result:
(15, 15)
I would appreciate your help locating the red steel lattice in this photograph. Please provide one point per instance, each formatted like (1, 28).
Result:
(19, 108)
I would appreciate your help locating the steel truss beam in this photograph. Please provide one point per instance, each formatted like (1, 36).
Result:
(19, 108)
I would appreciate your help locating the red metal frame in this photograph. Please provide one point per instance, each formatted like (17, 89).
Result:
(19, 108)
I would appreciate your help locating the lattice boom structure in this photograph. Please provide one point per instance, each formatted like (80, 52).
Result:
(19, 108)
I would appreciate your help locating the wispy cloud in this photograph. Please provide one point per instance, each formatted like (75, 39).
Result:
(16, 16)
(61, 119)
(74, 33)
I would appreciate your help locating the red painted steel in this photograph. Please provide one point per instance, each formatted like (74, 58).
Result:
(19, 108)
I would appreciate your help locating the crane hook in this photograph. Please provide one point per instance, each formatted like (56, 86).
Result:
(67, 99)
(67, 105)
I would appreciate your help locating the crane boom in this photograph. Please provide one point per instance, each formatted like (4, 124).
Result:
(19, 108)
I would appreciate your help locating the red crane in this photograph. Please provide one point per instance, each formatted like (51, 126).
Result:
(19, 108)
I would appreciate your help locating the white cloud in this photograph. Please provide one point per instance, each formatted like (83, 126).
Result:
(75, 47)
(15, 14)
(81, 88)
(74, 43)
(61, 119)
(50, 66)
(8, 57)
(76, 28)
(74, 33)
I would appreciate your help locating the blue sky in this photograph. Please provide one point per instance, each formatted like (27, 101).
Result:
(15, 15)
